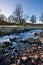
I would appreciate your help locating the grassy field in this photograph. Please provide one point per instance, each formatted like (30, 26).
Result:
(4, 24)
(28, 25)
(18, 28)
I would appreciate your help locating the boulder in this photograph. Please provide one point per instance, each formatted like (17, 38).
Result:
(6, 43)
(41, 34)
(13, 39)
(24, 57)
(41, 39)
(35, 33)
(2, 51)
(2, 45)
(2, 57)
(5, 62)
(24, 40)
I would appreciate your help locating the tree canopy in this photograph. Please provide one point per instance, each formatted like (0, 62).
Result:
(33, 19)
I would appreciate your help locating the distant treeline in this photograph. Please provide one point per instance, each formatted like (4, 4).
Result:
(17, 18)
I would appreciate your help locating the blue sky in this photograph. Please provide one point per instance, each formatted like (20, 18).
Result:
(29, 6)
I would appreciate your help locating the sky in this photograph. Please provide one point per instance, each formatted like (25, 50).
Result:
(30, 7)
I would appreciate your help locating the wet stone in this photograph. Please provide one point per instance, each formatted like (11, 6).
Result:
(6, 43)
(5, 62)
(41, 34)
(29, 51)
(13, 39)
(24, 40)
(2, 51)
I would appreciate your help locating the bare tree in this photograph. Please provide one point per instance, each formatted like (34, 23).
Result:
(41, 18)
(10, 18)
(18, 13)
(33, 19)
(26, 17)
(3, 17)
(17, 16)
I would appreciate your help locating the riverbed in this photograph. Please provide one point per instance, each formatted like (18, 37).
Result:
(20, 36)
(14, 46)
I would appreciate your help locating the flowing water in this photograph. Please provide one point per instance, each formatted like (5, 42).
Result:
(18, 37)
